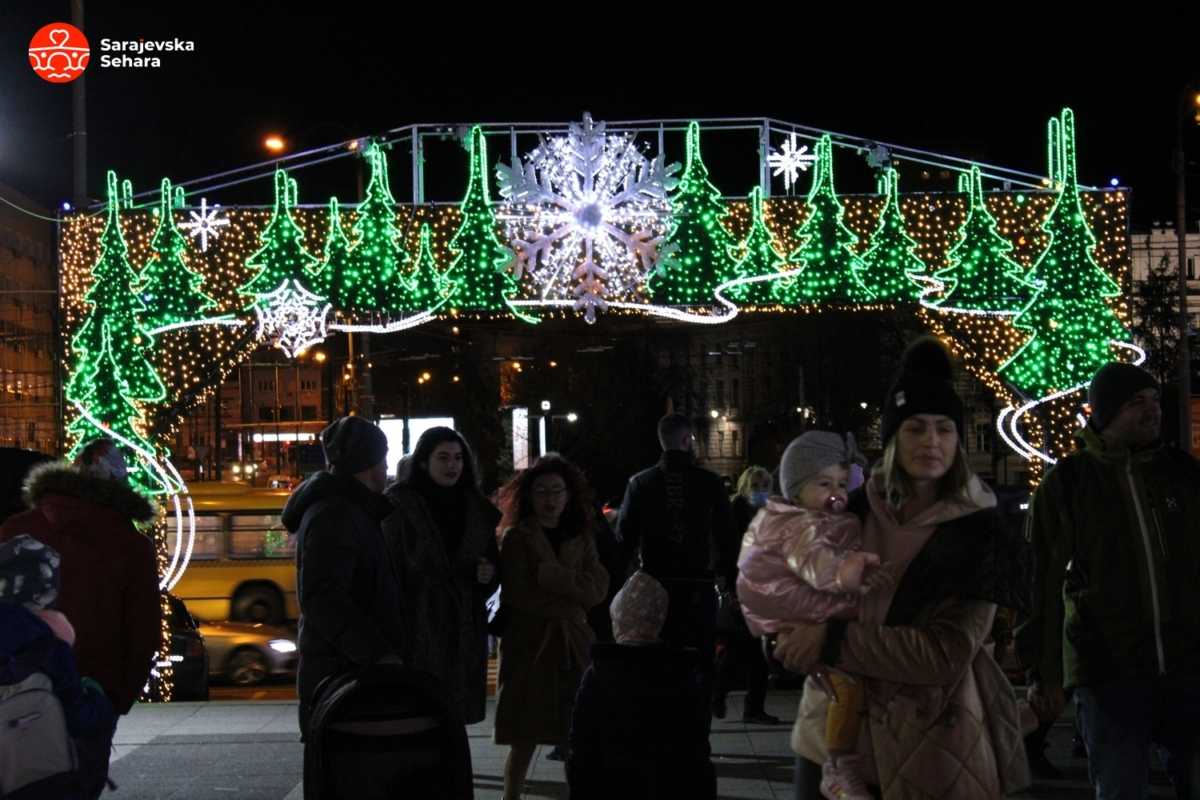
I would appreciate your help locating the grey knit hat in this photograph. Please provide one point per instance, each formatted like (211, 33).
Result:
(812, 452)
(353, 444)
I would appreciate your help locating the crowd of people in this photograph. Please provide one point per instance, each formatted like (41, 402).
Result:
(620, 635)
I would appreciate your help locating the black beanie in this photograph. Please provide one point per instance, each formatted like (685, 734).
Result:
(1112, 387)
(353, 444)
(925, 386)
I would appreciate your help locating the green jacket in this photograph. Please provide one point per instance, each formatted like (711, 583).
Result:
(1116, 541)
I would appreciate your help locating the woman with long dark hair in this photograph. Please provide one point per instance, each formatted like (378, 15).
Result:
(552, 575)
(441, 535)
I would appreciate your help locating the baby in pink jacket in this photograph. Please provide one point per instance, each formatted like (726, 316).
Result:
(801, 561)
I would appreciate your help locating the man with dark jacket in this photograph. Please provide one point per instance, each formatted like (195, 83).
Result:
(349, 597)
(86, 511)
(676, 517)
(1115, 528)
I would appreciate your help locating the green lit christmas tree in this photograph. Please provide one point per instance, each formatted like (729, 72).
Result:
(338, 263)
(481, 280)
(701, 248)
(981, 275)
(282, 260)
(1071, 323)
(891, 270)
(106, 403)
(115, 307)
(429, 284)
(168, 287)
(376, 283)
(826, 255)
(758, 254)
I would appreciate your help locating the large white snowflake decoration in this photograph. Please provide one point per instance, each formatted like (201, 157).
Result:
(790, 162)
(292, 317)
(204, 224)
(586, 214)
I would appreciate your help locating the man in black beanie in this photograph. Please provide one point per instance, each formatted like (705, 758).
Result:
(1115, 528)
(349, 596)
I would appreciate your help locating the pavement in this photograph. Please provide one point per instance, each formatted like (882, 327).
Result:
(238, 749)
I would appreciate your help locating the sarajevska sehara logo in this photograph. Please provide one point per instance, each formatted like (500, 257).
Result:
(59, 52)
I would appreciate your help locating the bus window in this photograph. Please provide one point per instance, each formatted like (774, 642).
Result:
(259, 536)
(210, 530)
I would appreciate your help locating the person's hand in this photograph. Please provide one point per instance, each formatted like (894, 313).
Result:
(799, 647)
(851, 572)
(877, 578)
(485, 571)
(1047, 701)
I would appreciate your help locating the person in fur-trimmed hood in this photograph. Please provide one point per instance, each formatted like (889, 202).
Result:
(109, 577)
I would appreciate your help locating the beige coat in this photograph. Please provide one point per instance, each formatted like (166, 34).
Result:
(940, 717)
(955, 736)
(544, 648)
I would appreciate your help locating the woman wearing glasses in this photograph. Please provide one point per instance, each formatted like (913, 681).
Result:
(551, 576)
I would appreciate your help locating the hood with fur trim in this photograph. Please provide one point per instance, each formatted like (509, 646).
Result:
(61, 479)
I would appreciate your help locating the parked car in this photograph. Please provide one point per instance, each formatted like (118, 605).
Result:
(247, 654)
(189, 657)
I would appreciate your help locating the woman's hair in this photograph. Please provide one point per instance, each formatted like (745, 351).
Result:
(897, 485)
(516, 497)
(747, 477)
(429, 442)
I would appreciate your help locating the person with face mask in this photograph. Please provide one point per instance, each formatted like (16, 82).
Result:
(87, 512)
(736, 645)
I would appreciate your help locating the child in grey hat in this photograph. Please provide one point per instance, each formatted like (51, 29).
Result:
(802, 561)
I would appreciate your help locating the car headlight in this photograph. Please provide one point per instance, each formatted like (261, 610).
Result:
(282, 645)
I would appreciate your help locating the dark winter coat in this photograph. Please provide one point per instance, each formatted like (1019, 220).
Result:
(87, 713)
(350, 613)
(444, 603)
(677, 516)
(109, 575)
(1116, 538)
(640, 726)
(544, 649)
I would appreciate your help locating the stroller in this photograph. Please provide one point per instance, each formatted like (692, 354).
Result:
(385, 732)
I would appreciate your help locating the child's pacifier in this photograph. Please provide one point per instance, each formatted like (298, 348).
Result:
(835, 504)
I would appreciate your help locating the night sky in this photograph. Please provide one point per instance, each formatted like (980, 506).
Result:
(321, 77)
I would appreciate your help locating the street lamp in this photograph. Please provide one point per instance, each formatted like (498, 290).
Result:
(541, 423)
(274, 143)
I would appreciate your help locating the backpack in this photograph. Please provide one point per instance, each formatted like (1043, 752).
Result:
(37, 754)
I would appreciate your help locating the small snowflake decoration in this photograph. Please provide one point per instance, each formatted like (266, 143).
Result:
(204, 224)
(586, 214)
(292, 317)
(790, 162)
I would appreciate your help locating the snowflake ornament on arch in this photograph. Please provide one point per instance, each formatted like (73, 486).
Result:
(789, 161)
(204, 224)
(586, 214)
(292, 318)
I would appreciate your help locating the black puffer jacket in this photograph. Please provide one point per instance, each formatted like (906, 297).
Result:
(677, 516)
(350, 612)
(640, 726)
